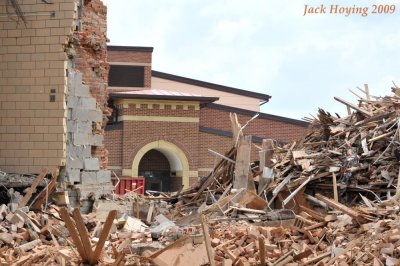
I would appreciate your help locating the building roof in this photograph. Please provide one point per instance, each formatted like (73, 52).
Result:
(209, 85)
(130, 48)
(260, 115)
(161, 94)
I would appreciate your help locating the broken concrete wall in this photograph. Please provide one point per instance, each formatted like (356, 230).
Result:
(87, 103)
(53, 85)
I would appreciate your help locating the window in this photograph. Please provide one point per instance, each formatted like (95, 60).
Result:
(126, 76)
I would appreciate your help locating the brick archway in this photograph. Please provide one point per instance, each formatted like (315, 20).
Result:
(176, 157)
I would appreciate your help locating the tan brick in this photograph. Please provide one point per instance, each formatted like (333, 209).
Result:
(21, 153)
(28, 65)
(41, 145)
(24, 41)
(68, 6)
(14, 33)
(23, 57)
(8, 105)
(13, 129)
(40, 161)
(12, 161)
(57, 31)
(54, 161)
(22, 137)
(36, 137)
(28, 32)
(41, 129)
(27, 129)
(52, 40)
(13, 145)
(54, 23)
(8, 137)
(22, 105)
(38, 24)
(13, 49)
(37, 73)
(42, 48)
(26, 161)
(13, 114)
(50, 137)
(35, 153)
(44, 32)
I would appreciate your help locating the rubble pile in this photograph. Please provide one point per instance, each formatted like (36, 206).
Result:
(331, 198)
(359, 153)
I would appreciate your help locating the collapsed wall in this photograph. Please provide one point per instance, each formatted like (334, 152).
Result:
(53, 90)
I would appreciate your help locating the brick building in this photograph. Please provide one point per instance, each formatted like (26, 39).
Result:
(53, 90)
(163, 125)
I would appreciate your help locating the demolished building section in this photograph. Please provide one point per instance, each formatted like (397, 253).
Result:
(241, 214)
(53, 85)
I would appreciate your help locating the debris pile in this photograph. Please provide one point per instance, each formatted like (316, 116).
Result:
(331, 198)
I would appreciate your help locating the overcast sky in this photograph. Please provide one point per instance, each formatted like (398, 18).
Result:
(267, 46)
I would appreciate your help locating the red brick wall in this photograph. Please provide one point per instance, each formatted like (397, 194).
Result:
(129, 56)
(216, 143)
(266, 128)
(113, 143)
(136, 134)
(154, 161)
(134, 57)
(187, 136)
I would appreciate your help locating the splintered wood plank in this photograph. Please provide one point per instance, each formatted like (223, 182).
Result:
(150, 212)
(46, 191)
(207, 240)
(104, 234)
(210, 177)
(336, 205)
(352, 106)
(74, 234)
(158, 252)
(242, 166)
(235, 127)
(32, 189)
(335, 192)
(349, 247)
(83, 233)
(261, 244)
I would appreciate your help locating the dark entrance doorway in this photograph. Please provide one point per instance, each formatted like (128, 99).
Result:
(156, 170)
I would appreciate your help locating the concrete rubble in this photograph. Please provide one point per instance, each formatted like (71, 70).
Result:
(296, 206)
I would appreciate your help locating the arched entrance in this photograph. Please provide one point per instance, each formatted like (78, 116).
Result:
(160, 149)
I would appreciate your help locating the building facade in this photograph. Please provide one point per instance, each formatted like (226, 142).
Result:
(163, 125)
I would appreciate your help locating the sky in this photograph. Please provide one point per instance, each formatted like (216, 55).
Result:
(269, 46)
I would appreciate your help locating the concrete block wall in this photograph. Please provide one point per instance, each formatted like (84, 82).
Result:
(33, 84)
(82, 168)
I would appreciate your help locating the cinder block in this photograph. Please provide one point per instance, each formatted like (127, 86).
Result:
(81, 90)
(96, 140)
(104, 176)
(74, 80)
(74, 163)
(88, 103)
(91, 164)
(84, 127)
(73, 175)
(80, 139)
(88, 178)
(72, 101)
(87, 115)
(79, 151)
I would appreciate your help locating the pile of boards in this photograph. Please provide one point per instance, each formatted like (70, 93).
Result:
(331, 198)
